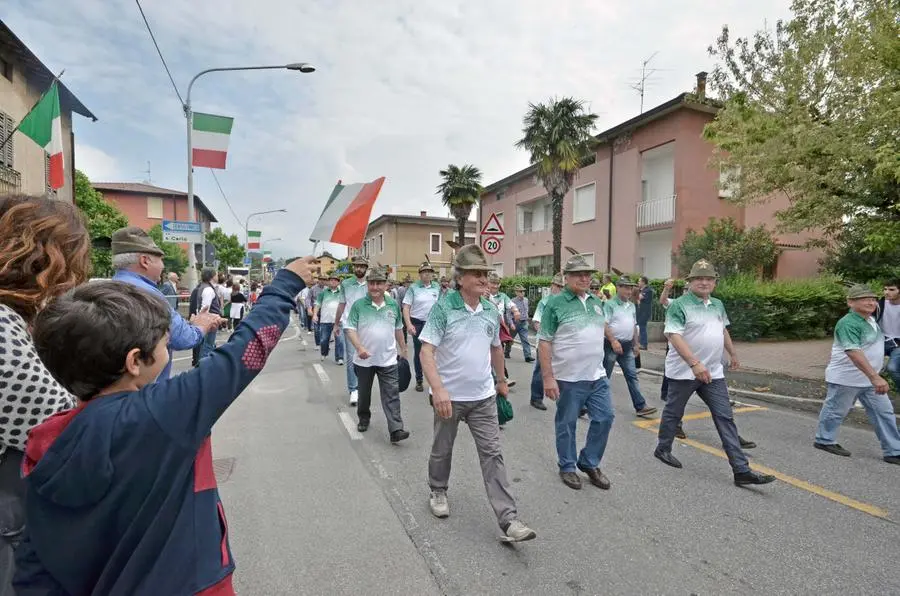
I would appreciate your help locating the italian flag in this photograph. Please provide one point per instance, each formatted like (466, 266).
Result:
(254, 239)
(43, 126)
(346, 215)
(267, 256)
(209, 140)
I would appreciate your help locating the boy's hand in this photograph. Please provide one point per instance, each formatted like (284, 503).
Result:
(302, 267)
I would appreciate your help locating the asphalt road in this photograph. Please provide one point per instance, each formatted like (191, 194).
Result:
(316, 508)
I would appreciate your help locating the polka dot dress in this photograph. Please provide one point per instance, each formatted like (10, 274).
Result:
(28, 393)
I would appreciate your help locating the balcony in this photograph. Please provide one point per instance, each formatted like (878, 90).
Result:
(658, 213)
(10, 180)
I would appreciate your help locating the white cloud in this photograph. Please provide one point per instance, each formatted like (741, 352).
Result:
(96, 163)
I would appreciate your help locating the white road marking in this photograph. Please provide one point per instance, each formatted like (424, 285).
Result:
(323, 376)
(350, 425)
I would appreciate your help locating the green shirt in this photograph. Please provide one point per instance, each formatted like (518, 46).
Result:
(420, 298)
(375, 325)
(854, 332)
(575, 326)
(351, 291)
(702, 325)
(621, 318)
(328, 301)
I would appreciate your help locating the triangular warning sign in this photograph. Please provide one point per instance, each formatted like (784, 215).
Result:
(493, 227)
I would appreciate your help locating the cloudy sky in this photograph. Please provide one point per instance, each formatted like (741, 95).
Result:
(403, 87)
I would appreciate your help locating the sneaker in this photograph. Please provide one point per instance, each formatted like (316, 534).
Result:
(833, 449)
(439, 505)
(322, 359)
(516, 531)
(510, 383)
(354, 396)
(340, 362)
(529, 360)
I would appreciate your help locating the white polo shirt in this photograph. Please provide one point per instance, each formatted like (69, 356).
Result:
(853, 332)
(702, 325)
(575, 327)
(463, 337)
(420, 298)
(375, 325)
(621, 318)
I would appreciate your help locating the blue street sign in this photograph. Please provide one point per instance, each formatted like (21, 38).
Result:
(247, 261)
(185, 232)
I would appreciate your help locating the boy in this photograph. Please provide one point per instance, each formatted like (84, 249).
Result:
(122, 497)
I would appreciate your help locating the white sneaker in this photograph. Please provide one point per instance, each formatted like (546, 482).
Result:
(519, 532)
(354, 395)
(439, 505)
(323, 359)
(510, 382)
(340, 362)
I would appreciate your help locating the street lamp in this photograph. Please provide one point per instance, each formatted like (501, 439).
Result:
(295, 66)
(247, 221)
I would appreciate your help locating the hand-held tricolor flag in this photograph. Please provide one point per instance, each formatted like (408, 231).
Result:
(346, 215)
(43, 126)
(254, 238)
(209, 140)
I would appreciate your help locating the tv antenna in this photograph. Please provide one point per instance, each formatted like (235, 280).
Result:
(149, 179)
(646, 72)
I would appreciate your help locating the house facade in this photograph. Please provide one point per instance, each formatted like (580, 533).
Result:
(146, 205)
(24, 166)
(402, 242)
(647, 185)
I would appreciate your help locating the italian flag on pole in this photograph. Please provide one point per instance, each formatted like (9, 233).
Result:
(209, 140)
(43, 126)
(267, 256)
(254, 238)
(346, 215)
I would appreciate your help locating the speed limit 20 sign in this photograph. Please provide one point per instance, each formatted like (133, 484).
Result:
(491, 245)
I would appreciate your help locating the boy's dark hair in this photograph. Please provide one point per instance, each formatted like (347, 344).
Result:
(893, 283)
(84, 335)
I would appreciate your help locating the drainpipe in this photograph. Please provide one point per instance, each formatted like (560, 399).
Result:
(609, 230)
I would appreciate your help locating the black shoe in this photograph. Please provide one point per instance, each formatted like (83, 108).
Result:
(745, 478)
(745, 444)
(399, 435)
(892, 459)
(363, 426)
(667, 458)
(529, 360)
(834, 449)
(679, 432)
(582, 413)
(538, 405)
(419, 386)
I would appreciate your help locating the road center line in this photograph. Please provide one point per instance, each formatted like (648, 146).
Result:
(350, 426)
(650, 423)
(323, 376)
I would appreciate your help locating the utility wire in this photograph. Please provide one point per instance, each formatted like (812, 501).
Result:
(230, 208)
(158, 51)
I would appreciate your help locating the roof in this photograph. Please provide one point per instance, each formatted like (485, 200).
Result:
(684, 100)
(139, 188)
(417, 219)
(37, 73)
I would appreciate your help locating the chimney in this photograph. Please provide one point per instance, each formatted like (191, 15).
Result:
(423, 213)
(700, 91)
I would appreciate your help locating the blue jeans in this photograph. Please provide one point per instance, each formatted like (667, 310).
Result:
(573, 396)
(893, 365)
(522, 332)
(642, 334)
(315, 328)
(325, 331)
(715, 395)
(419, 324)
(208, 344)
(350, 351)
(537, 382)
(838, 401)
(629, 369)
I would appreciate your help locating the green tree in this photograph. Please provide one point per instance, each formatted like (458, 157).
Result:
(558, 135)
(811, 110)
(229, 249)
(460, 191)
(175, 257)
(731, 249)
(848, 259)
(103, 218)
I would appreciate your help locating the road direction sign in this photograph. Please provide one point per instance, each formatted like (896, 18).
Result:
(185, 232)
(493, 227)
(491, 244)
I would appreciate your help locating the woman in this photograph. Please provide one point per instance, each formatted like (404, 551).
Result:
(44, 251)
(238, 301)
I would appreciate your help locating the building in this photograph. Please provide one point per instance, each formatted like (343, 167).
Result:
(402, 242)
(648, 183)
(327, 263)
(24, 166)
(146, 205)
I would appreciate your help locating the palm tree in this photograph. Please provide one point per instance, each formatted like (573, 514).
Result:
(460, 191)
(558, 136)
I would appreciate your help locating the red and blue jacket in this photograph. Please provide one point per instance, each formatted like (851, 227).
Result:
(122, 498)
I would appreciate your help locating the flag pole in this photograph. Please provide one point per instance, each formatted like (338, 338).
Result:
(40, 99)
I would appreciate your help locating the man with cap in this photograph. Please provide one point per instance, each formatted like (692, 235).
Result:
(138, 261)
(352, 289)
(375, 330)
(461, 344)
(697, 330)
(607, 287)
(623, 346)
(537, 382)
(595, 290)
(417, 302)
(857, 357)
(570, 349)
(521, 326)
(311, 299)
(445, 286)
(507, 311)
(326, 314)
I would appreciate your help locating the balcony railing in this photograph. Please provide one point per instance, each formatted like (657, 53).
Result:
(10, 180)
(655, 213)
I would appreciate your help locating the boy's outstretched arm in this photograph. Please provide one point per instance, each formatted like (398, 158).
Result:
(187, 406)
(31, 578)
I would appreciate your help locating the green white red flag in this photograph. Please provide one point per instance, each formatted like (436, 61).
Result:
(43, 126)
(346, 215)
(254, 240)
(267, 256)
(209, 140)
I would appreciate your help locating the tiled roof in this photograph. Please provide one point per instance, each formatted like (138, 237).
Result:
(148, 189)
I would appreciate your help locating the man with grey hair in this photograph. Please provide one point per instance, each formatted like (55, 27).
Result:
(170, 289)
(138, 261)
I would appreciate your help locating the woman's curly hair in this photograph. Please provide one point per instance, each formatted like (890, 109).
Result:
(45, 250)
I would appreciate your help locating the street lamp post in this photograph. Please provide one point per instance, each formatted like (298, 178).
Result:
(296, 66)
(247, 221)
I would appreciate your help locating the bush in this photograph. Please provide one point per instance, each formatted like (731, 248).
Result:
(532, 285)
(729, 247)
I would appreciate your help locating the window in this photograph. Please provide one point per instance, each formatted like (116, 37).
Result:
(535, 216)
(584, 205)
(6, 69)
(381, 244)
(154, 208)
(435, 244)
(500, 195)
(468, 240)
(7, 126)
(542, 265)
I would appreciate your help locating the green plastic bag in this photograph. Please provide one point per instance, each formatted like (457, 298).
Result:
(504, 409)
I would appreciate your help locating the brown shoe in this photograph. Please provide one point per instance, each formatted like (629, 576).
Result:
(646, 411)
(571, 480)
(596, 477)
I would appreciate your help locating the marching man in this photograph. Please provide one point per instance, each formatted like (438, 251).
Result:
(537, 381)
(417, 303)
(696, 326)
(375, 329)
(570, 350)
(460, 346)
(352, 289)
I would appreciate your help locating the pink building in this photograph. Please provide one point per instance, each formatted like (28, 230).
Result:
(649, 184)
